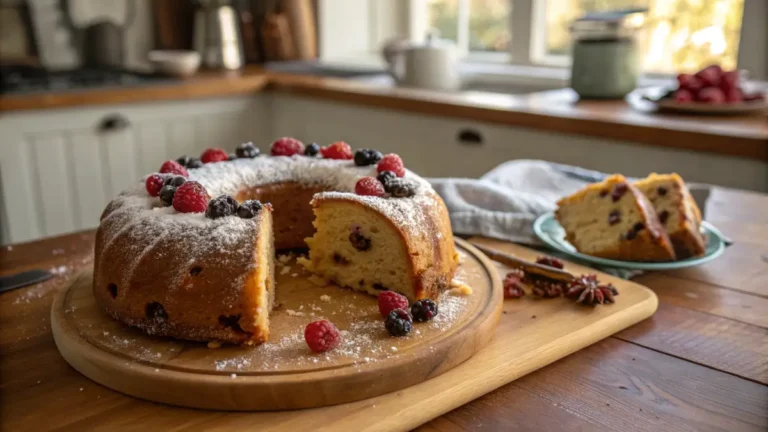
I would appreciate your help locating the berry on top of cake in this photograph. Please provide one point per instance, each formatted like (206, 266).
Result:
(613, 219)
(677, 212)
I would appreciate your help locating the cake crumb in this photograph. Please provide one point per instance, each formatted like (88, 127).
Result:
(317, 280)
(38, 381)
(81, 388)
(285, 270)
(301, 307)
(233, 376)
(9, 248)
(460, 289)
(325, 298)
(292, 312)
(157, 370)
(394, 349)
(284, 258)
(294, 274)
(214, 344)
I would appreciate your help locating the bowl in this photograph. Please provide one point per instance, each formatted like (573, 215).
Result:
(179, 63)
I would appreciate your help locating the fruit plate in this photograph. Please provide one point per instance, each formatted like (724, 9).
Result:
(654, 96)
(549, 230)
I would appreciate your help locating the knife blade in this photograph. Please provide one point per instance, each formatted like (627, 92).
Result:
(526, 266)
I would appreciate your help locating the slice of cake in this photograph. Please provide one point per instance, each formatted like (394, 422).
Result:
(613, 219)
(677, 212)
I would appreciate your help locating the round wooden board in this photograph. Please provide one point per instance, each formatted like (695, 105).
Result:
(282, 373)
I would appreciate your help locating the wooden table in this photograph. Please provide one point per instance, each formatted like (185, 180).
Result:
(700, 363)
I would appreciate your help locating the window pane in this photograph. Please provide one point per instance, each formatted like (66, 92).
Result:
(489, 25)
(680, 35)
(443, 16)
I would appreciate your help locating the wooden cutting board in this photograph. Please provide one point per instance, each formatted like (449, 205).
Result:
(283, 373)
(530, 335)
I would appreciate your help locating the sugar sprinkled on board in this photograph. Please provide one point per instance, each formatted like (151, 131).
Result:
(325, 298)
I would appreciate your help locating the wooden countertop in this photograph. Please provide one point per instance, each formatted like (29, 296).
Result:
(700, 360)
(556, 111)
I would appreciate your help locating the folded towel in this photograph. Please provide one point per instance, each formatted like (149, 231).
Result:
(505, 202)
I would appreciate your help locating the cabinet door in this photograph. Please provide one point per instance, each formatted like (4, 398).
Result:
(60, 168)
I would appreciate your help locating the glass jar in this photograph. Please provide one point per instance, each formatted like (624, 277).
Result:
(606, 55)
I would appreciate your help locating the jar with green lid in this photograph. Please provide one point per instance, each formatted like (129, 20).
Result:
(606, 54)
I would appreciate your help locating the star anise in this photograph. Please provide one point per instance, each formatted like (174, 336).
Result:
(545, 288)
(586, 289)
(550, 262)
(513, 284)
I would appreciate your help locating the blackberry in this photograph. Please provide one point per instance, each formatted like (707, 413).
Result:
(312, 149)
(400, 188)
(385, 177)
(249, 209)
(359, 241)
(174, 180)
(220, 207)
(166, 194)
(184, 160)
(424, 310)
(231, 156)
(247, 150)
(398, 323)
(364, 157)
(194, 163)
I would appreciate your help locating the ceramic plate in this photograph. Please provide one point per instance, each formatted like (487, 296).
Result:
(550, 232)
(656, 96)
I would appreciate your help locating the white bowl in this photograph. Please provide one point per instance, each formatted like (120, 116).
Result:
(175, 62)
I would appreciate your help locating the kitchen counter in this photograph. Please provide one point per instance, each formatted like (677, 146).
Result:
(556, 111)
(698, 363)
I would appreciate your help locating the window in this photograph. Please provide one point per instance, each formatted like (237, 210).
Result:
(678, 34)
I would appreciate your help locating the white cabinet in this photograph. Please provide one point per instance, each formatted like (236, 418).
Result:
(59, 168)
(432, 146)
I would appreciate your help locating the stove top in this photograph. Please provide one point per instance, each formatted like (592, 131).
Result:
(27, 80)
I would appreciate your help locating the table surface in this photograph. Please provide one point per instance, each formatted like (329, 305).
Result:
(703, 355)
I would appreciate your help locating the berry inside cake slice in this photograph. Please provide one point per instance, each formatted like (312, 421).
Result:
(677, 212)
(612, 219)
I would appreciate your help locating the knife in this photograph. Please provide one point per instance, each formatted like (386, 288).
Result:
(19, 280)
(526, 266)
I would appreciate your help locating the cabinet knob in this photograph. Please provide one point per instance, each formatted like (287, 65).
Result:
(113, 123)
(469, 137)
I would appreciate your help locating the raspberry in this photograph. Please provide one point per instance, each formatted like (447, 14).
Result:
(424, 310)
(550, 262)
(287, 147)
(369, 186)
(389, 301)
(337, 150)
(214, 155)
(173, 167)
(322, 336)
(513, 284)
(398, 323)
(154, 183)
(365, 157)
(391, 162)
(191, 197)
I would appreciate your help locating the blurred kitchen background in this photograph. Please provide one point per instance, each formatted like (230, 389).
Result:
(96, 93)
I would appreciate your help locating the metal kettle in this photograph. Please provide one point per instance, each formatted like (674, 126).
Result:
(217, 36)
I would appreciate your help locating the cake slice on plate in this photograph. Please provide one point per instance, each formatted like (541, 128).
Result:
(613, 219)
(677, 212)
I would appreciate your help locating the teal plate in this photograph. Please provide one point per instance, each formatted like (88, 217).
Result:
(549, 230)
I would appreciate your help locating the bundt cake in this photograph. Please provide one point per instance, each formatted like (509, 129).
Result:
(174, 262)
(677, 212)
(613, 219)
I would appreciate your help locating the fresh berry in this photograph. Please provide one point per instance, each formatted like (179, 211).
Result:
(231, 156)
(322, 336)
(312, 150)
(689, 82)
(249, 209)
(365, 157)
(369, 186)
(710, 75)
(730, 80)
(359, 241)
(391, 162)
(398, 322)
(194, 163)
(247, 150)
(513, 284)
(184, 160)
(191, 197)
(214, 155)
(734, 95)
(550, 262)
(385, 177)
(400, 188)
(424, 310)
(337, 150)
(711, 95)
(154, 183)
(389, 301)
(174, 180)
(173, 167)
(221, 206)
(753, 97)
(683, 96)
(166, 195)
(287, 147)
